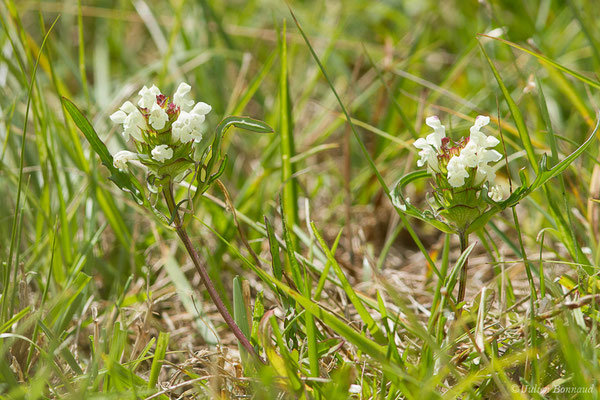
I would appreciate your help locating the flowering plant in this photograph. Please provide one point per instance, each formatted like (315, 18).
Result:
(166, 132)
(464, 196)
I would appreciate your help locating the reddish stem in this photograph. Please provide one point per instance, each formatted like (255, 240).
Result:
(210, 287)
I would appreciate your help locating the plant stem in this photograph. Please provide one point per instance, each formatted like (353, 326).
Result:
(212, 291)
(462, 285)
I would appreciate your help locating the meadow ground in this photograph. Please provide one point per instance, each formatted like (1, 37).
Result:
(343, 293)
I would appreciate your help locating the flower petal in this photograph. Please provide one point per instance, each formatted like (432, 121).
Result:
(128, 107)
(201, 108)
(121, 159)
(148, 96)
(162, 152)
(439, 132)
(118, 117)
(158, 117)
(179, 98)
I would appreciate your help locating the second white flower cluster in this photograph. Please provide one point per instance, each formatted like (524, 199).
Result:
(160, 124)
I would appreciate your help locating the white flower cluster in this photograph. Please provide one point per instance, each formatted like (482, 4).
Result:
(155, 115)
(476, 153)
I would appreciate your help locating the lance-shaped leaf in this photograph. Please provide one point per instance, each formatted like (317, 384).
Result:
(123, 180)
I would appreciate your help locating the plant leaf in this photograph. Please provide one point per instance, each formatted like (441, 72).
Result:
(405, 207)
(247, 123)
(548, 174)
(123, 180)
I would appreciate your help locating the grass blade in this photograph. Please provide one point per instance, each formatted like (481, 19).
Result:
(159, 358)
(547, 60)
(515, 112)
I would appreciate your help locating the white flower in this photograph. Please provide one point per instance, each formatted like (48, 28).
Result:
(162, 152)
(475, 154)
(179, 98)
(439, 132)
(428, 155)
(497, 192)
(478, 137)
(121, 159)
(201, 108)
(133, 125)
(457, 171)
(431, 144)
(484, 156)
(158, 117)
(188, 124)
(469, 155)
(118, 117)
(132, 119)
(148, 96)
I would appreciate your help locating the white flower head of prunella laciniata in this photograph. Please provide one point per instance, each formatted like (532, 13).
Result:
(163, 129)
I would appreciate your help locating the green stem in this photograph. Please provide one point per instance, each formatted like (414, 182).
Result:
(462, 285)
(210, 287)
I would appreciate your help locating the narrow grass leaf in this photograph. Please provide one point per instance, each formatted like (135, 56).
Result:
(545, 59)
(159, 358)
(515, 112)
(240, 314)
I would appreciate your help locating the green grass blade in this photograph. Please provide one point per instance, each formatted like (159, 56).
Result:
(159, 358)
(292, 263)
(325, 273)
(240, 313)
(13, 238)
(547, 60)
(286, 131)
(515, 112)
